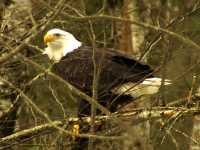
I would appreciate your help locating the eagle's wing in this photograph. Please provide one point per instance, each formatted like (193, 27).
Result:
(115, 69)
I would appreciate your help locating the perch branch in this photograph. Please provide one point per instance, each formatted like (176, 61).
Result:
(136, 116)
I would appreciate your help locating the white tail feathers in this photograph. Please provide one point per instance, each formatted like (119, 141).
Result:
(148, 87)
(156, 81)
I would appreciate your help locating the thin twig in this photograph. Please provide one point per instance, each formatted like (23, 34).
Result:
(142, 24)
(57, 9)
(68, 85)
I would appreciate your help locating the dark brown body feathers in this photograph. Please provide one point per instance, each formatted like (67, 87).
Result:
(115, 68)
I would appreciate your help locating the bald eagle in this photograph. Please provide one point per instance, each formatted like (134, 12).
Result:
(121, 77)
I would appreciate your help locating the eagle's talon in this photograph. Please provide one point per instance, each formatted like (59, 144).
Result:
(75, 131)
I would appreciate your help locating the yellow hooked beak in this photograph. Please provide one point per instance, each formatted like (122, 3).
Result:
(49, 38)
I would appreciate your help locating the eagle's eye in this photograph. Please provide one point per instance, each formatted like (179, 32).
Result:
(57, 34)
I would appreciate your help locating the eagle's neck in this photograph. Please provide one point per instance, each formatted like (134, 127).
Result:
(57, 50)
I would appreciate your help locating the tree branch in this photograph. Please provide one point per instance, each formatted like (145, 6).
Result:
(57, 9)
(135, 116)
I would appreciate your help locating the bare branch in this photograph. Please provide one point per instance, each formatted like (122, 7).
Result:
(57, 9)
(136, 116)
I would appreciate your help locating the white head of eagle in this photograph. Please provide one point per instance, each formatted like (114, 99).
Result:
(59, 43)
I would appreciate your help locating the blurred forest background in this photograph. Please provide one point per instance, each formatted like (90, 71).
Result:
(35, 108)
